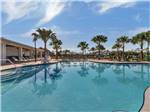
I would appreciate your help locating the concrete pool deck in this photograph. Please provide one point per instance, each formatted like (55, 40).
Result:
(146, 105)
(5, 67)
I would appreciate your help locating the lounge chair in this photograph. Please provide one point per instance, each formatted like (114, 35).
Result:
(24, 59)
(31, 59)
(15, 59)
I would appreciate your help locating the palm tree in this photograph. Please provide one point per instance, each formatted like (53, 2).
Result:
(100, 48)
(92, 50)
(45, 35)
(117, 46)
(139, 39)
(123, 40)
(83, 46)
(148, 44)
(35, 38)
(56, 45)
(99, 39)
(66, 53)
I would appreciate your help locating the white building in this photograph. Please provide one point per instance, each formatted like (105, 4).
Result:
(11, 48)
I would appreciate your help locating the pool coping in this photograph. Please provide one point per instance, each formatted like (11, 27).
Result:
(8, 67)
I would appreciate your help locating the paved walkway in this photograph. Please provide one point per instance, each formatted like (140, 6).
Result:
(5, 67)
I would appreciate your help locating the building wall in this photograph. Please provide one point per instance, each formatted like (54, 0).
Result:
(12, 51)
(3, 51)
(26, 53)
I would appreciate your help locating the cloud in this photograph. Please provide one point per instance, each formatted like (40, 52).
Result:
(138, 30)
(138, 17)
(46, 10)
(16, 10)
(59, 32)
(53, 8)
(64, 33)
(28, 33)
(110, 4)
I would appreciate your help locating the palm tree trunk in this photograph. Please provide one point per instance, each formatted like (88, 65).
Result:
(56, 53)
(99, 51)
(83, 54)
(148, 45)
(93, 54)
(123, 52)
(118, 54)
(35, 52)
(142, 51)
(99, 54)
(45, 50)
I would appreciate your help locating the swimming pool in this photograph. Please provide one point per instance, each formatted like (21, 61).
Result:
(76, 86)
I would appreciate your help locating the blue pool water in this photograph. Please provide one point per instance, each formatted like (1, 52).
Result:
(75, 86)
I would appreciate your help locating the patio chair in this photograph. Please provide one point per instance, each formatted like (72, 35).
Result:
(15, 59)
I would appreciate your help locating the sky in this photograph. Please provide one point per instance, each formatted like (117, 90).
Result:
(74, 20)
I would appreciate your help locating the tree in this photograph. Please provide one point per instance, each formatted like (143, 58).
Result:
(123, 40)
(117, 46)
(139, 39)
(99, 39)
(148, 44)
(45, 35)
(35, 38)
(83, 46)
(92, 49)
(56, 45)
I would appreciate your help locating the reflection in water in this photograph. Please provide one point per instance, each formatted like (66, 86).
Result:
(98, 80)
(148, 71)
(21, 74)
(56, 73)
(99, 68)
(92, 65)
(117, 69)
(140, 79)
(139, 72)
(121, 70)
(83, 72)
(42, 89)
(65, 64)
